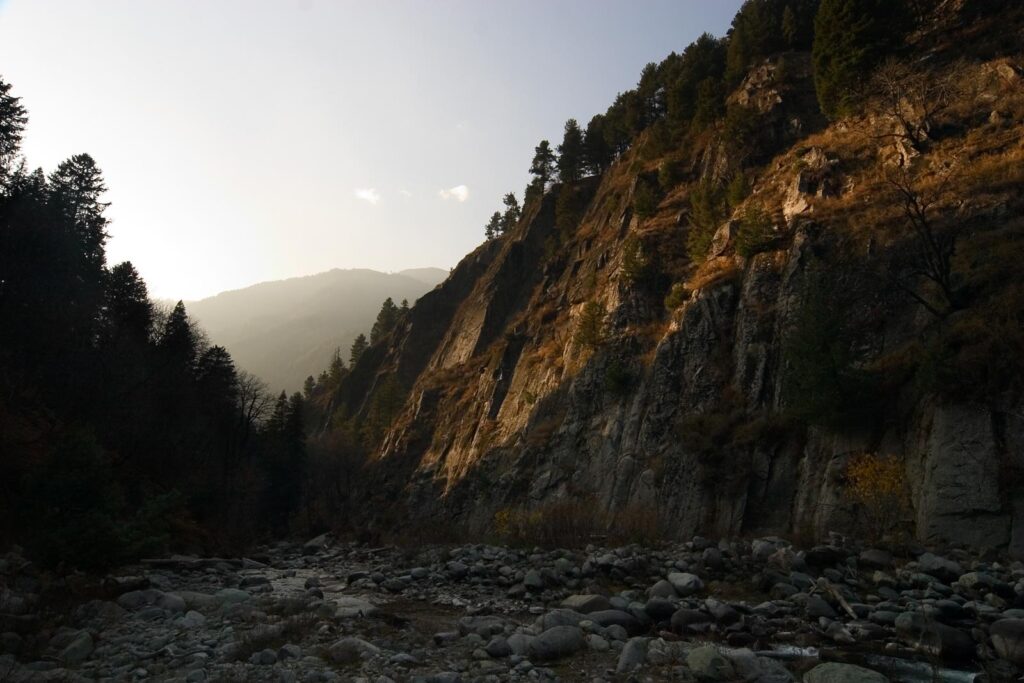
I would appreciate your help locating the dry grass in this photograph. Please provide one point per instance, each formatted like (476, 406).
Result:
(714, 271)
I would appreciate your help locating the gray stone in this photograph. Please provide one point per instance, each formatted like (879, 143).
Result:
(352, 608)
(533, 580)
(708, 664)
(585, 604)
(616, 617)
(834, 672)
(633, 655)
(1008, 639)
(556, 643)
(685, 584)
(498, 647)
(78, 650)
(232, 596)
(351, 650)
(939, 567)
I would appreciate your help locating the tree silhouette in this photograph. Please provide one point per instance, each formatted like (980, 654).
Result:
(359, 345)
(387, 318)
(543, 165)
(571, 153)
(512, 213)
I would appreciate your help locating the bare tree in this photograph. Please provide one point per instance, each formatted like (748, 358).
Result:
(254, 402)
(913, 97)
(935, 247)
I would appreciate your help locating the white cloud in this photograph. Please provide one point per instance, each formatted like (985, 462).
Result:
(459, 193)
(405, 193)
(368, 194)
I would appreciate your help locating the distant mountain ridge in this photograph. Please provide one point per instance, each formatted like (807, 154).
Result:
(286, 330)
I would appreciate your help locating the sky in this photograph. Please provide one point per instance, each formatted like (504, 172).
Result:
(248, 140)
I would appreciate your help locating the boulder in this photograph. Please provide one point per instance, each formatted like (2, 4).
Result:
(351, 650)
(708, 664)
(1008, 639)
(685, 584)
(834, 672)
(633, 655)
(585, 604)
(556, 643)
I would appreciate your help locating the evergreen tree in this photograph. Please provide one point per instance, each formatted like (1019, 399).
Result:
(703, 61)
(597, 154)
(359, 345)
(178, 340)
(571, 153)
(543, 164)
(850, 38)
(336, 369)
(387, 318)
(127, 310)
(75, 189)
(308, 387)
(512, 213)
(12, 123)
(789, 27)
(493, 227)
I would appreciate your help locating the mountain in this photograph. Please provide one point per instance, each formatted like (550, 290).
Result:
(776, 323)
(285, 330)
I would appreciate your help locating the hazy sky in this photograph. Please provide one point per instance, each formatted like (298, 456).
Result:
(245, 141)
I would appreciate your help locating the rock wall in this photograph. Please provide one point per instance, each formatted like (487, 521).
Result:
(505, 409)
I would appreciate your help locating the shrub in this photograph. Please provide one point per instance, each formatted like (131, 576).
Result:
(878, 486)
(670, 173)
(617, 378)
(645, 199)
(707, 211)
(590, 331)
(738, 190)
(756, 232)
(676, 296)
(569, 209)
(560, 524)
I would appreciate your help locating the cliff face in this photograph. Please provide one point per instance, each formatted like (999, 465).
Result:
(689, 412)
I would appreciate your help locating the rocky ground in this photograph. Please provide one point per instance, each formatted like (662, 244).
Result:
(701, 611)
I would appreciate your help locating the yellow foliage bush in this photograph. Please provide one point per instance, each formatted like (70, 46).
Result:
(878, 485)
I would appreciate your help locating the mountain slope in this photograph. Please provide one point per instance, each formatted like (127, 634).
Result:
(286, 330)
(790, 348)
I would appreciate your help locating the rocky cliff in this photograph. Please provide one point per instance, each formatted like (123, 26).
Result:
(709, 411)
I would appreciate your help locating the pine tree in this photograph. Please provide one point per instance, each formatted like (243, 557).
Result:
(789, 27)
(512, 213)
(543, 165)
(12, 123)
(850, 38)
(336, 368)
(387, 318)
(570, 153)
(178, 340)
(597, 155)
(75, 189)
(127, 310)
(359, 345)
(308, 387)
(493, 227)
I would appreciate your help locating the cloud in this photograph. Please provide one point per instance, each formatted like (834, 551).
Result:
(459, 193)
(368, 194)
(405, 193)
